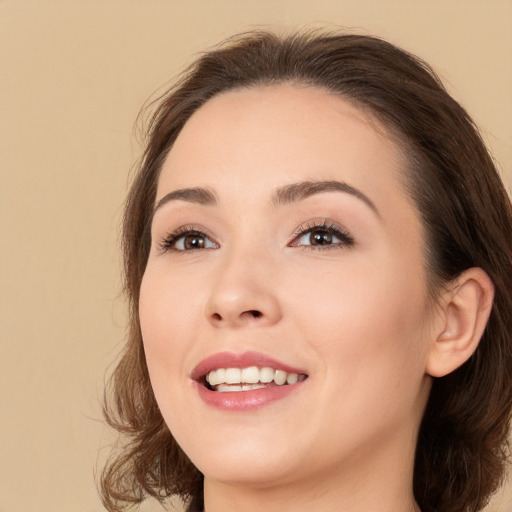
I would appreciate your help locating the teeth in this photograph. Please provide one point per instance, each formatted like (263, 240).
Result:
(220, 375)
(266, 374)
(292, 378)
(252, 377)
(280, 377)
(222, 388)
(233, 375)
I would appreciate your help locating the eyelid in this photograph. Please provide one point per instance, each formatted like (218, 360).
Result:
(166, 241)
(326, 224)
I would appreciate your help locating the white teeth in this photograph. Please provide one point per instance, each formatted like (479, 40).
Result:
(217, 376)
(292, 378)
(221, 375)
(280, 377)
(233, 375)
(229, 387)
(267, 374)
(222, 388)
(252, 377)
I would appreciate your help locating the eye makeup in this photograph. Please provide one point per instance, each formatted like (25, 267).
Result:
(187, 238)
(316, 234)
(322, 234)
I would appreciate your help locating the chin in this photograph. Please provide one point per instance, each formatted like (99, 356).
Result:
(246, 473)
(250, 461)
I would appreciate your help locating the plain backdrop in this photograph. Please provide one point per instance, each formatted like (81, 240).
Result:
(74, 75)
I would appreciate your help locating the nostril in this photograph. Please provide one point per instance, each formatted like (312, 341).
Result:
(252, 312)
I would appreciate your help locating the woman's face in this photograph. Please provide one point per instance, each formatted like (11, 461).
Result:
(283, 239)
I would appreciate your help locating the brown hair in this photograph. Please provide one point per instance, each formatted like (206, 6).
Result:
(462, 449)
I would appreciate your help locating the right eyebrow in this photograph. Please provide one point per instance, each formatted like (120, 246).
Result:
(196, 195)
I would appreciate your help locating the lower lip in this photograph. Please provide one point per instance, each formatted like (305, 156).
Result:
(245, 400)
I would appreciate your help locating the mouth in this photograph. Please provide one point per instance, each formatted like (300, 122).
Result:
(245, 381)
(250, 378)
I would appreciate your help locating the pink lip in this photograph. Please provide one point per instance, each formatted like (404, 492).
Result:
(243, 400)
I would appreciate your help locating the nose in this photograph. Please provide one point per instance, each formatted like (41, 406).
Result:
(243, 294)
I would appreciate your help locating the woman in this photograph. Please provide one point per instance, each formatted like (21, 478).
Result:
(318, 256)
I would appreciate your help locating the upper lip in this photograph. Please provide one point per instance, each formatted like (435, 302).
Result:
(243, 360)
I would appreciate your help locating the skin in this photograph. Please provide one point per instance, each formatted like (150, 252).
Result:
(356, 316)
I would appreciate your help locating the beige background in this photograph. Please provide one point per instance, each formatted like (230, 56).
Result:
(73, 77)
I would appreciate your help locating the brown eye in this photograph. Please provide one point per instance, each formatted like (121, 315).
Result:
(188, 241)
(324, 236)
(194, 241)
(320, 237)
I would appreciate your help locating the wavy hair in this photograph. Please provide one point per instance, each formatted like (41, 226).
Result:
(467, 216)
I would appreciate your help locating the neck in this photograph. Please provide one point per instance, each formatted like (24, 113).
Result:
(269, 501)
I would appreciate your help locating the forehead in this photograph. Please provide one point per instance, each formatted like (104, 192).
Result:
(265, 137)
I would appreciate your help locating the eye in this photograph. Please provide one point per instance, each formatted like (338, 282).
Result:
(323, 235)
(186, 239)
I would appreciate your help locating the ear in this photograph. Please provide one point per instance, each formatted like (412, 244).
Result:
(465, 310)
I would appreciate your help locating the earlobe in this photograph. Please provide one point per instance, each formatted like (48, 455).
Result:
(465, 310)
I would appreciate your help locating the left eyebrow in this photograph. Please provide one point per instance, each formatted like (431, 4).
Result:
(300, 191)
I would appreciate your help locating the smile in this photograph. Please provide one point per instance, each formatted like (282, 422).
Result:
(246, 381)
(250, 378)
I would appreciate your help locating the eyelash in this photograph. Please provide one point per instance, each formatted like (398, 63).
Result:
(346, 240)
(168, 243)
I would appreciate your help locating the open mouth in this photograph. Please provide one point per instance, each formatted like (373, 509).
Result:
(250, 378)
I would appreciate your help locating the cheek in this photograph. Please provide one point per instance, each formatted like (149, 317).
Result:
(368, 320)
(168, 310)
(363, 327)
(169, 303)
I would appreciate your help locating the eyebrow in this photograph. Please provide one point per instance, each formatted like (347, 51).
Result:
(196, 195)
(299, 191)
(284, 195)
